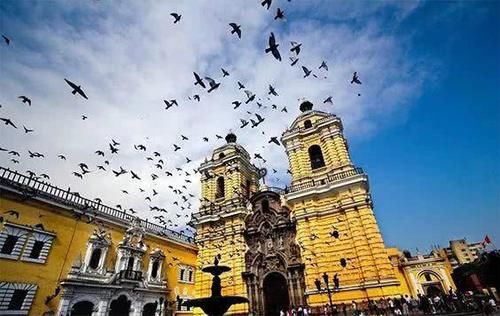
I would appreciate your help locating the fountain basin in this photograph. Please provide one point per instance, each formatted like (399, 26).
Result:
(216, 270)
(215, 305)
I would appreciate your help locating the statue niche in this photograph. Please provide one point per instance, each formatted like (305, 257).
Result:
(271, 248)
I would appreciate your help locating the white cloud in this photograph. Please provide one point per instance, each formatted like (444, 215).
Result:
(130, 57)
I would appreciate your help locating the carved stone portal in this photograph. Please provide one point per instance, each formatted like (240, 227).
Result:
(272, 250)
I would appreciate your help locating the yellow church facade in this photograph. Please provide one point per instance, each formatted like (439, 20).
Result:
(62, 254)
(281, 242)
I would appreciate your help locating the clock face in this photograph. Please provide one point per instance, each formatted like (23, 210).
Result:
(262, 172)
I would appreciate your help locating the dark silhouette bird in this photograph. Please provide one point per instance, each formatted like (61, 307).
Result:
(188, 160)
(76, 88)
(274, 140)
(272, 91)
(274, 106)
(174, 102)
(14, 153)
(243, 123)
(184, 137)
(78, 175)
(218, 136)
(307, 72)
(196, 97)
(101, 168)
(266, 3)
(224, 72)
(169, 105)
(25, 99)
(236, 104)
(213, 85)
(284, 109)
(35, 154)
(12, 213)
(119, 173)
(273, 47)
(140, 147)
(62, 157)
(84, 117)
(294, 60)
(250, 96)
(176, 148)
(280, 14)
(240, 86)
(6, 39)
(199, 80)
(156, 154)
(113, 149)
(99, 153)
(115, 143)
(134, 175)
(295, 47)
(26, 130)
(328, 100)
(205, 139)
(14, 161)
(176, 16)
(235, 28)
(355, 78)
(323, 65)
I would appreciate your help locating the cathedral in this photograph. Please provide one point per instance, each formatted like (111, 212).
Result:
(284, 244)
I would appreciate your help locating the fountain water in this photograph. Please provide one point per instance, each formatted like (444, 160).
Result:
(216, 304)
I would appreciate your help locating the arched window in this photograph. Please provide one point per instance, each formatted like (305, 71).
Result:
(222, 155)
(84, 308)
(307, 124)
(316, 157)
(154, 269)
(220, 188)
(265, 205)
(95, 258)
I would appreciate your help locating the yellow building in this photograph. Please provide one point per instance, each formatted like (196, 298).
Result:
(62, 254)
(280, 243)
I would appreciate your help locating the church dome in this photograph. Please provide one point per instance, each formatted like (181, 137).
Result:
(306, 106)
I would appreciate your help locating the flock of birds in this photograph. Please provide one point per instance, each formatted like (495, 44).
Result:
(177, 215)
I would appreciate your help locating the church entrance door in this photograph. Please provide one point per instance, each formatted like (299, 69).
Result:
(275, 294)
(120, 307)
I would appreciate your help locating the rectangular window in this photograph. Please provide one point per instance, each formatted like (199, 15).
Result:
(9, 244)
(182, 275)
(37, 249)
(17, 299)
(190, 276)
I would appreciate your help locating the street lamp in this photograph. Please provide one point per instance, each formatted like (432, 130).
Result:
(336, 284)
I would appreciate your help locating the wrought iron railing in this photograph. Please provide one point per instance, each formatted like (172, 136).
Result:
(330, 177)
(33, 186)
(130, 275)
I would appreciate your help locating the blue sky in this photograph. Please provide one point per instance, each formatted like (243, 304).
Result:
(425, 127)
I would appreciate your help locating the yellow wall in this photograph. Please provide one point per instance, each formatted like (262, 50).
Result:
(70, 244)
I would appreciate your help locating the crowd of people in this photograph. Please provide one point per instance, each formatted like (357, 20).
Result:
(453, 302)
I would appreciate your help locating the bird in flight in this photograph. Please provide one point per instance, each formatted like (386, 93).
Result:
(62, 157)
(274, 140)
(243, 123)
(26, 130)
(224, 72)
(273, 47)
(25, 99)
(6, 39)
(213, 85)
(176, 16)
(240, 86)
(295, 47)
(235, 29)
(76, 89)
(294, 60)
(199, 80)
(280, 14)
(307, 72)
(266, 3)
(355, 78)
(272, 91)
(323, 65)
(236, 104)
(250, 96)
(8, 122)
(328, 100)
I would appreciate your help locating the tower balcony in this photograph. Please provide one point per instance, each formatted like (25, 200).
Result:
(330, 179)
(129, 275)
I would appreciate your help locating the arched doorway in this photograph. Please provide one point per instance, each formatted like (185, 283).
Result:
(84, 308)
(275, 294)
(149, 309)
(120, 306)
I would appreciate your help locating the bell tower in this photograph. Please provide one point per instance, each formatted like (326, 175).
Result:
(228, 178)
(330, 199)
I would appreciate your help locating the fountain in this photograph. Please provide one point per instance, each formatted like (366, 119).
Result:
(216, 304)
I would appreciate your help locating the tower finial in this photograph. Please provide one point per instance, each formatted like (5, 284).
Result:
(231, 138)
(306, 106)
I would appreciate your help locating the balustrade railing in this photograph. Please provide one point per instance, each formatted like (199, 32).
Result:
(131, 275)
(33, 186)
(330, 177)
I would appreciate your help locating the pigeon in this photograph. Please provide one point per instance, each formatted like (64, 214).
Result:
(25, 99)
(14, 161)
(84, 117)
(355, 78)
(236, 104)
(78, 175)
(8, 122)
(99, 153)
(307, 72)
(280, 14)
(272, 91)
(213, 85)
(323, 65)
(76, 89)
(184, 137)
(205, 139)
(196, 97)
(14, 153)
(294, 60)
(176, 16)
(176, 148)
(113, 149)
(274, 140)
(224, 72)
(169, 105)
(250, 96)
(328, 100)
(284, 109)
(62, 157)
(115, 143)
(235, 29)
(6, 39)
(134, 175)
(273, 47)
(199, 80)
(266, 2)
(243, 123)
(26, 130)
(240, 86)
(295, 47)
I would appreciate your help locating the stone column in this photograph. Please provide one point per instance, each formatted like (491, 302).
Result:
(63, 306)
(102, 308)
